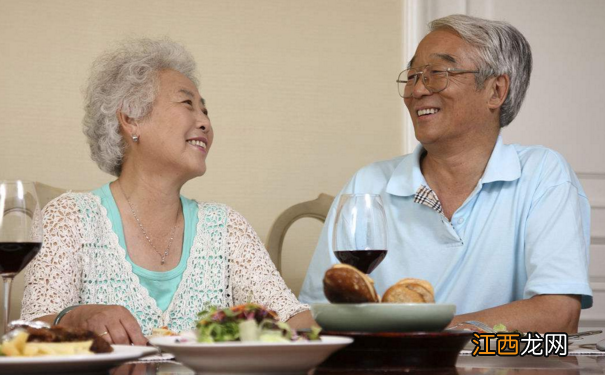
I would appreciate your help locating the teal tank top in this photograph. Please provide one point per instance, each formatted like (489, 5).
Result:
(161, 285)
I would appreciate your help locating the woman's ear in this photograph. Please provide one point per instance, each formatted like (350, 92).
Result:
(128, 125)
(499, 90)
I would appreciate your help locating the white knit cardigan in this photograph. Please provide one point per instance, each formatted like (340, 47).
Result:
(82, 262)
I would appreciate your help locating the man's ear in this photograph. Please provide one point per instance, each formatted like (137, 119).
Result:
(128, 125)
(498, 91)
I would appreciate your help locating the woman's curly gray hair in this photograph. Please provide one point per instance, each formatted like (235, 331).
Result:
(501, 49)
(126, 79)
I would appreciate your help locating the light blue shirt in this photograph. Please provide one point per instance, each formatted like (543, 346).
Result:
(523, 231)
(160, 285)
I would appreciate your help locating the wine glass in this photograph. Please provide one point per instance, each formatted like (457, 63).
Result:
(20, 233)
(360, 231)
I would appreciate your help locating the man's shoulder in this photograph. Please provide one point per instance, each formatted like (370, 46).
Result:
(534, 152)
(383, 168)
(547, 167)
(376, 176)
(544, 161)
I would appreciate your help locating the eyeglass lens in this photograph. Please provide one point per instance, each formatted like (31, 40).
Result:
(433, 78)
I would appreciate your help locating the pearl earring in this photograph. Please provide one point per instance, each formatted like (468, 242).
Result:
(135, 138)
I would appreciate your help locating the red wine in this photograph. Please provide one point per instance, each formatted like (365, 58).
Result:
(364, 260)
(14, 256)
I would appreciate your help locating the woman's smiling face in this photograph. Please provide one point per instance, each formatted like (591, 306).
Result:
(176, 135)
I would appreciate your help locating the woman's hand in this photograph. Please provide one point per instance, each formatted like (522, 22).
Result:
(114, 323)
(302, 320)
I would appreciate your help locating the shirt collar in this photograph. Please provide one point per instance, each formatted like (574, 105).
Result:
(503, 165)
(407, 176)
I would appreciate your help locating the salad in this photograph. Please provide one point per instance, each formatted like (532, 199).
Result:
(247, 322)
(501, 328)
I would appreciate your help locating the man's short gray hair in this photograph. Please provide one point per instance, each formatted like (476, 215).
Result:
(501, 49)
(126, 79)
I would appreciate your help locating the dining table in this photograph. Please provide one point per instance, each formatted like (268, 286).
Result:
(582, 358)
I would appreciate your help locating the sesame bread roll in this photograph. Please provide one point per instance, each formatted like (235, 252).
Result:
(410, 290)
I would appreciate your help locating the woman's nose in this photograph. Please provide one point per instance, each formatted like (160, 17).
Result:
(204, 123)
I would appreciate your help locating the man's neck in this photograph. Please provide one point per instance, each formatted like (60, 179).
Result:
(452, 170)
(460, 163)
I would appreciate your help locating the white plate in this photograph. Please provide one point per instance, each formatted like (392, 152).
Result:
(252, 357)
(73, 363)
(383, 317)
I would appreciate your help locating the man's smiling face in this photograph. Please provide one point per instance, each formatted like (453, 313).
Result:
(460, 109)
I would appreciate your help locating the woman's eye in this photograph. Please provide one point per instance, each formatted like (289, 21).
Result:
(205, 111)
(188, 102)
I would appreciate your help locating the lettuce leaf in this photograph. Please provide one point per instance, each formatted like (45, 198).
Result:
(247, 322)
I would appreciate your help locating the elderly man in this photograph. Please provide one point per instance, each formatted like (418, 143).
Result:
(502, 231)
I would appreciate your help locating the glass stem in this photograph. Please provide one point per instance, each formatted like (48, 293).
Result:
(7, 279)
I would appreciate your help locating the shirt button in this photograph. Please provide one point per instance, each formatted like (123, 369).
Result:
(461, 220)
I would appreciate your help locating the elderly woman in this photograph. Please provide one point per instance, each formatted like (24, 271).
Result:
(135, 254)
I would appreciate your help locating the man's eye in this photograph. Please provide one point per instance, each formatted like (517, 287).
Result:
(437, 72)
(205, 111)
(188, 102)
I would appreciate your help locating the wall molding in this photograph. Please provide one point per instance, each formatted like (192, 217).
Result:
(592, 323)
(597, 240)
(591, 175)
(414, 17)
(597, 283)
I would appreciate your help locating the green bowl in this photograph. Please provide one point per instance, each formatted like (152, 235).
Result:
(383, 317)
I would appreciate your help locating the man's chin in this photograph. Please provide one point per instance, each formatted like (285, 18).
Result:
(424, 137)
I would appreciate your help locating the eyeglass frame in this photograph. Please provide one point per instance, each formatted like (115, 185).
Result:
(422, 69)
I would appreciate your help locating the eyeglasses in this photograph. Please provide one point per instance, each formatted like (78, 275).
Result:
(435, 78)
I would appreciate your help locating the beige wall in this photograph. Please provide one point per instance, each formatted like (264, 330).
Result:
(300, 94)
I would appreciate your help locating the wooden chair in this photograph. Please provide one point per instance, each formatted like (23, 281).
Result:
(45, 193)
(317, 208)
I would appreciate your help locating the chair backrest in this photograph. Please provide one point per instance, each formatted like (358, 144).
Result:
(317, 208)
(45, 193)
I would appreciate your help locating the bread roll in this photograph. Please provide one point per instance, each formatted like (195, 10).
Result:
(347, 284)
(410, 290)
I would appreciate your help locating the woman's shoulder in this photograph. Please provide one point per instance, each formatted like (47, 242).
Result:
(214, 206)
(209, 206)
(70, 200)
(220, 211)
(69, 208)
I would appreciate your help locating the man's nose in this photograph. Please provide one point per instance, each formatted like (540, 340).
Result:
(419, 89)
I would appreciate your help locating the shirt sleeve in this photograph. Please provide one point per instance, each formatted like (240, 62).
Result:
(557, 239)
(52, 279)
(253, 275)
